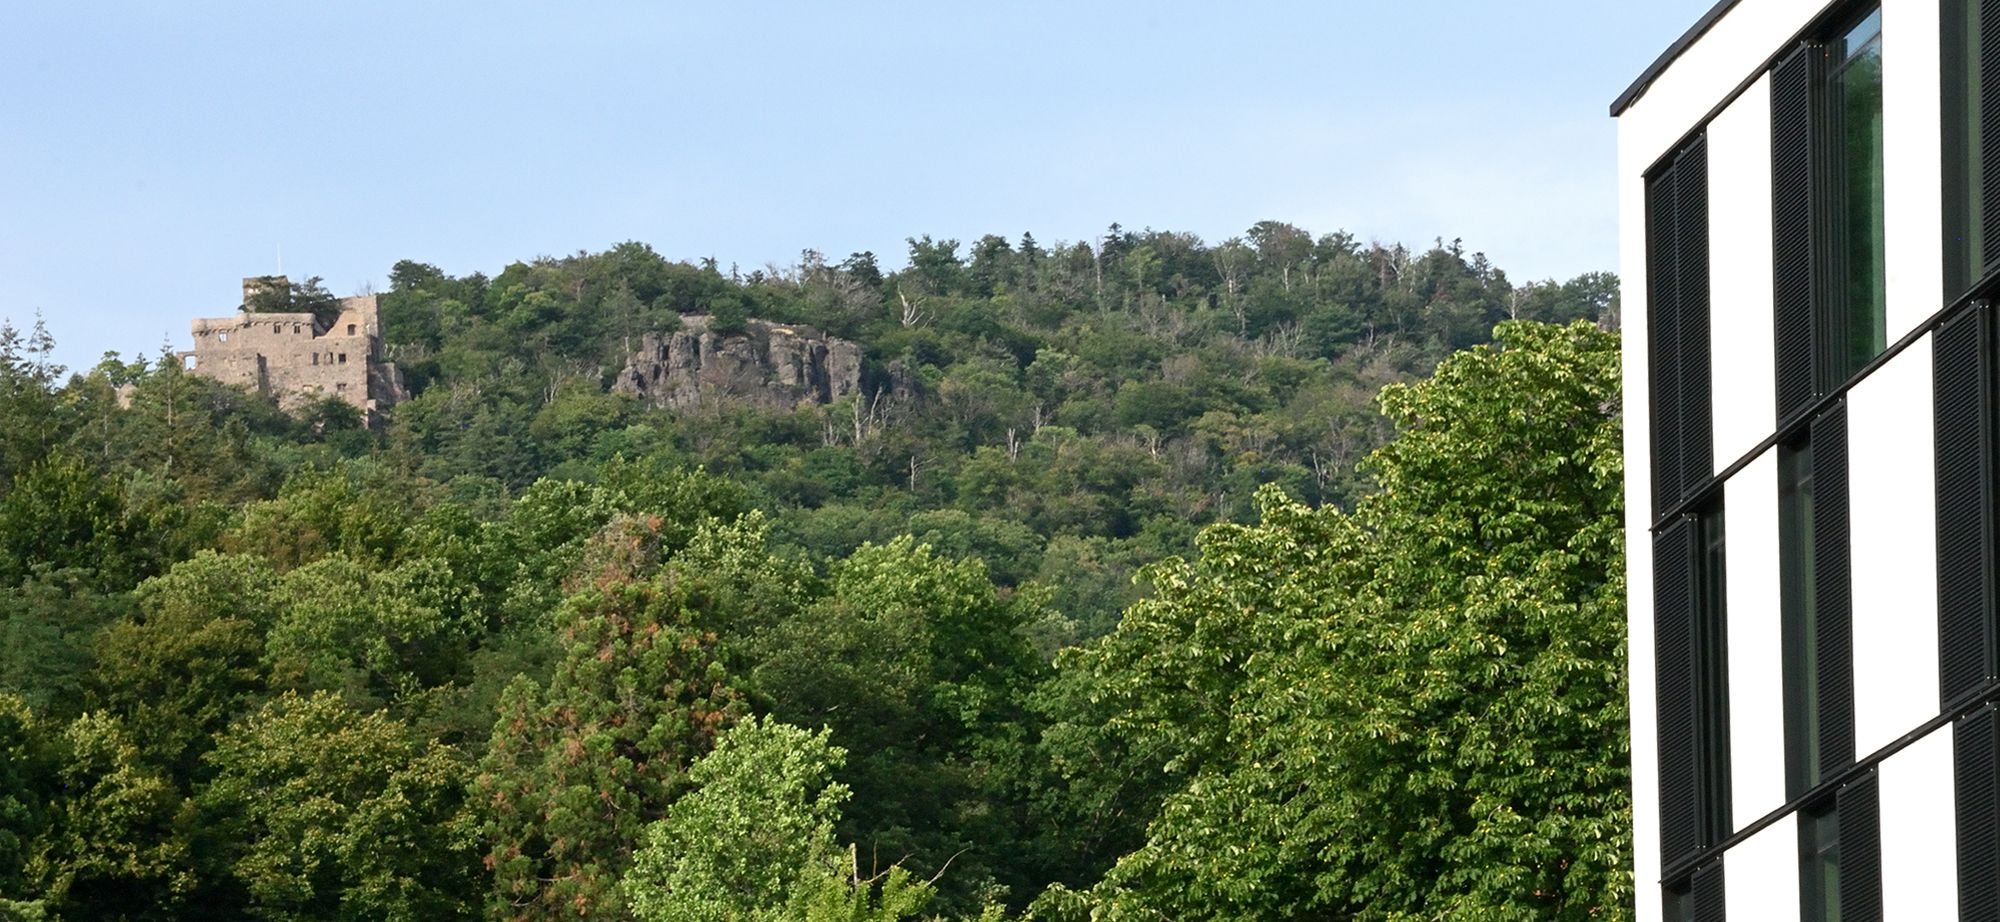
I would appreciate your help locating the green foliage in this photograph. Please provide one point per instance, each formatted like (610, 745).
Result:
(260, 664)
(114, 849)
(919, 666)
(574, 769)
(1411, 711)
(751, 838)
(192, 661)
(273, 294)
(330, 814)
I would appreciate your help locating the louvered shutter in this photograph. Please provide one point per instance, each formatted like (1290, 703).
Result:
(1674, 658)
(1792, 120)
(1859, 804)
(1963, 414)
(1832, 598)
(1663, 316)
(1989, 131)
(1697, 437)
(1976, 745)
(1708, 894)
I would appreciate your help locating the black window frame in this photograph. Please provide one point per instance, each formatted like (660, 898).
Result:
(1813, 327)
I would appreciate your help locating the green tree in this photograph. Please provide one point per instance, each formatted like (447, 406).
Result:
(114, 849)
(921, 668)
(1413, 711)
(326, 813)
(192, 661)
(575, 769)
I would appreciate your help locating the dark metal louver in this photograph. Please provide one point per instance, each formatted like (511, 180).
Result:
(1859, 804)
(1975, 740)
(1674, 658)
(1708, 894)
(1663, 313)
(1989, 131)
(1793, 289)
(1962, 410)
(1697, 436)
(1832, 591)
(1677, 311)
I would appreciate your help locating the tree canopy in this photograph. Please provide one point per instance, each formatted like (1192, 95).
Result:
(1141, 577)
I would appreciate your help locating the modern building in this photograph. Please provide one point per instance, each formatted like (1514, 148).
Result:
(1810, 199)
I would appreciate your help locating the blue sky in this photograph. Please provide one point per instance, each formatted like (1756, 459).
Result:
(152, 153)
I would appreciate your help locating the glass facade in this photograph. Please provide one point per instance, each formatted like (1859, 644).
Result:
(1803, 764)
(1857, 294)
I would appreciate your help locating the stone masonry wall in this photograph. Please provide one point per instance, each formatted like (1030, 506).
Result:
(286, 356)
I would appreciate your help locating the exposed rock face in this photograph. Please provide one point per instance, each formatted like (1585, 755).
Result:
(767, 364)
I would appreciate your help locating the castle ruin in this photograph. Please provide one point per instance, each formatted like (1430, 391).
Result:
(290, 357)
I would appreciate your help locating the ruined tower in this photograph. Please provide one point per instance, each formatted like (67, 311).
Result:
(292, 358)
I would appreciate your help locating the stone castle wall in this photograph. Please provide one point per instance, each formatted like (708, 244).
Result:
(288, 357)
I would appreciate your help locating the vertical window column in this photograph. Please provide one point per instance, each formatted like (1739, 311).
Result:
(1691, 651)
(1677, 312)
(1815, 602)
(1829, 281)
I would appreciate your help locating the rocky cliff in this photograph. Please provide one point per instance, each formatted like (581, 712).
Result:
(768, 364)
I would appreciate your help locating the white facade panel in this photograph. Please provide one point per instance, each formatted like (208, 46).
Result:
(1912, 163)
(1755, 642)
(1705, 75)
(1919, 831)
(1893, 543)
(1739, 260)
(1638, 543)
(1761, 875)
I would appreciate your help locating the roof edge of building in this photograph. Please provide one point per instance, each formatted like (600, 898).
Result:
(1667, 58)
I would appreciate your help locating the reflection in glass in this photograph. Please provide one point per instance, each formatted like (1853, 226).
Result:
(1798, 601)
(1854, 106)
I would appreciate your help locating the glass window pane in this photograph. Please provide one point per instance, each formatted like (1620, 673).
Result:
(1856, 110)
(1801, 667)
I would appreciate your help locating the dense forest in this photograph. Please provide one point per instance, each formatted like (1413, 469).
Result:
(1144, 578)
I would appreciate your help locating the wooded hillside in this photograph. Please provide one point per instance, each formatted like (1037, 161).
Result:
(1141, 578)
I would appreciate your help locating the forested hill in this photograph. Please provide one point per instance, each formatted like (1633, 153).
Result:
(1065, 413)
(1145, 578)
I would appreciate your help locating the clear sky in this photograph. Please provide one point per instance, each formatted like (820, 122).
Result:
(153, 153)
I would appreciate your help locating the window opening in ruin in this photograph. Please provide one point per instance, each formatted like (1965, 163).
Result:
(341, 386)
(295, 329)
(350, 329)
(343, 358)
(315, 358)
(224, 337)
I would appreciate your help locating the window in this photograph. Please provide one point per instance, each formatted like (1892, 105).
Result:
(1815, 603)
(1691, 656)
(1857, 323)
(1826, 161)
(341, 359)
(295, 329)
(1971, 145)
(1795, 542)
(315, 358)
(223, 336)
(350, 327)
(1840, 854)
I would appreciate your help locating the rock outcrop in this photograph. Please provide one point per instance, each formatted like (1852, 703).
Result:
(767, 364)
